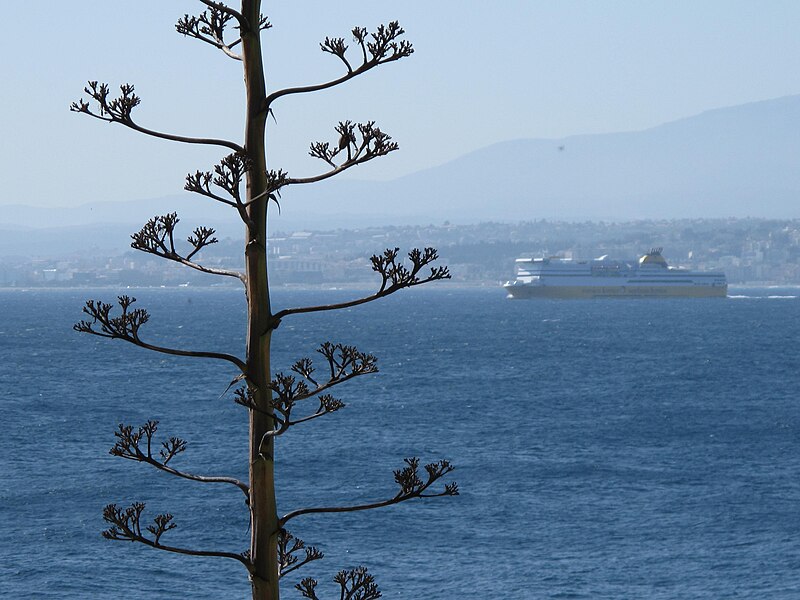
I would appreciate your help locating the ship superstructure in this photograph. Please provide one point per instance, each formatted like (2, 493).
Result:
(650, 276)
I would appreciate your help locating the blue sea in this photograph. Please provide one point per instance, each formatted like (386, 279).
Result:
(605, 449)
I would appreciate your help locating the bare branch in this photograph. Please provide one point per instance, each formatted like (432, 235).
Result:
(369, 143)
(229, 175)
(288, 549)
(119, 109)
(157, 237)
(126, 327)
(243, 396)
(137, 444)
(222, 7)
(394, 276)
(355, 584)
(202, 236)
(228, 179)
(411, 486)
(209, 27)
(275, 181)
(337, 47)
(305, 368)
(230, 172)
(327, 404)
(344, 363)
(380, 47)
(126, 525)
(200, 183)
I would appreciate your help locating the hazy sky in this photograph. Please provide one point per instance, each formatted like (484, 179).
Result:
(483, 72)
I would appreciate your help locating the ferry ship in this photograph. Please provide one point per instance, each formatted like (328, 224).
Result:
(648, 277)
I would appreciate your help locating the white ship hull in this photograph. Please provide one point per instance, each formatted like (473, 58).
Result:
(649, 277)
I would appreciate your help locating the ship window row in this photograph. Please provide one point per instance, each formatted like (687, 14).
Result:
(669, 276)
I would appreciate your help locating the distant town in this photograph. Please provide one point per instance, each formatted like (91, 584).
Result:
(749, 251)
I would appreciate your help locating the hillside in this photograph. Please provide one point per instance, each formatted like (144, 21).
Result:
(740, 161)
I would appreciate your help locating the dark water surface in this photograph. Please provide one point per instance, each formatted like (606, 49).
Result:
(605, 449)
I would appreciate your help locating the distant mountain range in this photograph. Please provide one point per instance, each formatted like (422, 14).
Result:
(738, 161)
